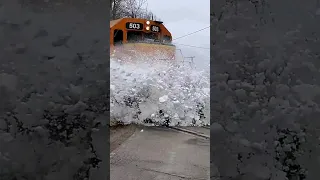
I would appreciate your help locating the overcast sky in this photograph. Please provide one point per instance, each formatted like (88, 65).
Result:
(182, 17)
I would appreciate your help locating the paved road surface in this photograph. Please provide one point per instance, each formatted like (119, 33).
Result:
(158, 153)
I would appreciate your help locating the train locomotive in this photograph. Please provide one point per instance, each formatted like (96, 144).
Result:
(134, 38)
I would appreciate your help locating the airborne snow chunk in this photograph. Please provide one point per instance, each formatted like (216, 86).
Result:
(163, 99)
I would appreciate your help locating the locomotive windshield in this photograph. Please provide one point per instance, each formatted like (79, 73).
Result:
(134, 36)
(145, 37)
(151, 37)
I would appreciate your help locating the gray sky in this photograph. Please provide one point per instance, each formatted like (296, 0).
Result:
(182, 17)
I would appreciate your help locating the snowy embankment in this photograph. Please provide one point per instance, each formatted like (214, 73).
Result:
(159, 94)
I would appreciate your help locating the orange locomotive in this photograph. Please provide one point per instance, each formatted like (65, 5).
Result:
(130, 37)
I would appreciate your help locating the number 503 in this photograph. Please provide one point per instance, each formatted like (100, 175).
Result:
(134, 26)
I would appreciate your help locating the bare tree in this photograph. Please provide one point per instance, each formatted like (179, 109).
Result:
(134, 8)
(117, 8)
(130, 8)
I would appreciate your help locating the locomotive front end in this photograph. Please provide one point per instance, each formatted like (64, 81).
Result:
(136, 39)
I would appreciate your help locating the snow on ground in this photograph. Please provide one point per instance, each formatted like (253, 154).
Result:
(159, 93)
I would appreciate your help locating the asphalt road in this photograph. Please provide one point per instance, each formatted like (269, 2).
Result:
(158, 153)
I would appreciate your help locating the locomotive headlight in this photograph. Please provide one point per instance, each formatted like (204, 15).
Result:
(147, 28)
(148, 22)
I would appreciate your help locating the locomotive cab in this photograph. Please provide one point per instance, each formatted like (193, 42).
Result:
(135, 37)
